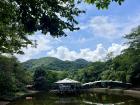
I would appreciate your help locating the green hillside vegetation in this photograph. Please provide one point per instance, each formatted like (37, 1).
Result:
(51, 63)
(121, 68)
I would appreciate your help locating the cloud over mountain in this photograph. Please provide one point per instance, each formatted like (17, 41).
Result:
(99, 53)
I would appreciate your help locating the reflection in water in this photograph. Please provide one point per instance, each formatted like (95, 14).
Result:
(82, 99)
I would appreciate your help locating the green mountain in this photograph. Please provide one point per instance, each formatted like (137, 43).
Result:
(51, 63)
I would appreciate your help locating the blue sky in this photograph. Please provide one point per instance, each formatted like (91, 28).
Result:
(101, 32)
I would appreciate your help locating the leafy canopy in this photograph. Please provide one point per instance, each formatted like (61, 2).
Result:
(20, 18)
(102, 4)
(134, 39)
(13, 77)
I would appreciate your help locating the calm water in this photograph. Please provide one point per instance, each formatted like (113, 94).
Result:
(83, 99)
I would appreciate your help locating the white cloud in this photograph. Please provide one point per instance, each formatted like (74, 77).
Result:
(44, 43)
(111, 27)
(99, 53)
(116, 48)
(63, 53)
(102, 25)
(131, 23)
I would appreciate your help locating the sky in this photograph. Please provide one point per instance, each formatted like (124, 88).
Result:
(101, 32)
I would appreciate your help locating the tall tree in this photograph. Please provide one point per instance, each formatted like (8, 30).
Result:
(134, 40)
(40, 82)
(134, 52)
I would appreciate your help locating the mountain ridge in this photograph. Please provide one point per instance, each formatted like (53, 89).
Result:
(52, 63)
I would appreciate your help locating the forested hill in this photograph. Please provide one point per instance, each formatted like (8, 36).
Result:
(51, 63)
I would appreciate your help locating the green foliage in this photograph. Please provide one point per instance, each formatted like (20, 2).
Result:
(125, 67)
(90, 73)
(53, 76)
(40, 82)
(12, 77)
(12, 34)
(7, 84)
(102, 4)
(134, 41)
(20, 18)
(134, 52)
(50, 63)
(44, 79)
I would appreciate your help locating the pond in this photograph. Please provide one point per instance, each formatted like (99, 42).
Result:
(82, 99)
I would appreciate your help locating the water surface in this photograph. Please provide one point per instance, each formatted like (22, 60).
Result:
(82, 99)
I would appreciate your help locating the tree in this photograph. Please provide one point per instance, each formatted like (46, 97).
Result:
(12, 76)
(101, 4)
(40, 82)
(125, 67)
(20, 18)
(89, 73)
(134, 41)
(109, 56)
(134, 52)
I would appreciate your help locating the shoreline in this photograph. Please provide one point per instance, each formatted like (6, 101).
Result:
(126, 92)
(4, 103)
(7, 100)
